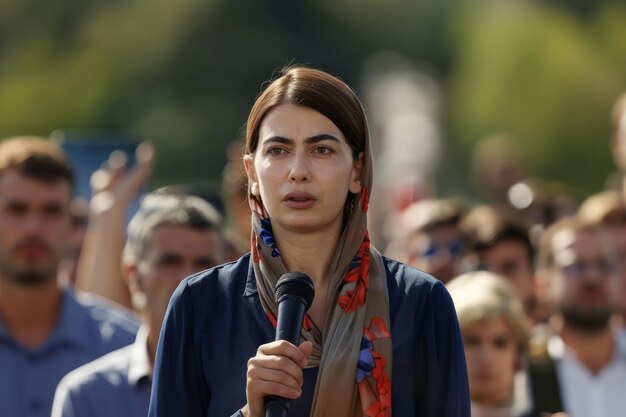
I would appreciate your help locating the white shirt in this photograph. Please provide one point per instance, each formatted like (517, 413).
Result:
(585, 394)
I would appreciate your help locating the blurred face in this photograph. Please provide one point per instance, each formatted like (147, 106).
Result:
(302, 170)
(35, 227)
(619, 236)
(584, 279)
(510, 259)
(492, 360)
(437, 252)
(173, 253)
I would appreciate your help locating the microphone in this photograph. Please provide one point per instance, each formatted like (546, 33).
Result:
(294, 295)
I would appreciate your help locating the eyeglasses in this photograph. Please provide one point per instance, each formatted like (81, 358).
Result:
(580, 269)
(454, 249)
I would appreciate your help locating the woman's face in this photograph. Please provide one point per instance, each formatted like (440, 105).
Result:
(302, 170)
(492, 360)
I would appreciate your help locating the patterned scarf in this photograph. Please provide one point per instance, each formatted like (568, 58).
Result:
(353, 349)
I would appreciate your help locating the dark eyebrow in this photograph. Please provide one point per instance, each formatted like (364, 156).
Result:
(312, 140)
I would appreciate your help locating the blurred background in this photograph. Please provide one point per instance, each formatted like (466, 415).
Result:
(436, 77)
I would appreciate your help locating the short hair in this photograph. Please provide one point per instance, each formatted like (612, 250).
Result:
(483, 295)
(158, 209)
(607, 208)
(35, 157)
(486, 226)
(545, 258)
(431, 213)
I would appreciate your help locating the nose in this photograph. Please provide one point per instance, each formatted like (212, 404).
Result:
(299, 168)
(483, 355)
(33, 223)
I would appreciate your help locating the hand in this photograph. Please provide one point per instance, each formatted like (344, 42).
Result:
(115, 184)
(275, 370)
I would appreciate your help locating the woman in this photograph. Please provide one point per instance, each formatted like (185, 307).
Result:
(380, 336)
(495, 335)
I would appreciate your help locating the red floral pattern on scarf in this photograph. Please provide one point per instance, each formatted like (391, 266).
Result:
(256, 252)
(351, 300)
(376, 402)
(364, 200)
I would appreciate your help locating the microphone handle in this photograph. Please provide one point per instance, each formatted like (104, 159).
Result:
(291, 311)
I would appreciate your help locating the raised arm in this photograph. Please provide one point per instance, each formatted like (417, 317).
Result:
(115, 187)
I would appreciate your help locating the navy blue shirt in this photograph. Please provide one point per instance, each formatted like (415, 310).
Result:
(87, 328)
(215, 323)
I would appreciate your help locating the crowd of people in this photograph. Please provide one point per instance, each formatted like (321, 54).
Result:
(539, 288)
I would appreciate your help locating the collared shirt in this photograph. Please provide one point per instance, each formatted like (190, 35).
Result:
(115, 385)
(87, 328)
(590, 395)
(215, 323)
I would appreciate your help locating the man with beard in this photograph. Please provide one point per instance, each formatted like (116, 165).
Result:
(580, 263)
(170, 238)
(45, 331)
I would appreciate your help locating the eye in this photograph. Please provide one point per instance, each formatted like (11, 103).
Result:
(323, 150)
(169, 260)
(275, 151)
(204, 263)
(471, 340)
(502, 342)
(15, 208)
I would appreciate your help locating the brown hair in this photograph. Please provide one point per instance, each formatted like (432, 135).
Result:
(316, 90)
(573, 224)
(35, 157)
(486, 226)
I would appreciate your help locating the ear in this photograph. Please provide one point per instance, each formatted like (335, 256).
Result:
(129, 272)
(355, 175)
(137, 295)
(248, 163)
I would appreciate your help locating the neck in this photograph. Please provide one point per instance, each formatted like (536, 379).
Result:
(488, 410)
(595, 350)
(29, 313)
(311, 253)
(153, 328)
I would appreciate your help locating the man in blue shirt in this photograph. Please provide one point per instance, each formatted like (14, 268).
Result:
(169, 238)
(45, 331)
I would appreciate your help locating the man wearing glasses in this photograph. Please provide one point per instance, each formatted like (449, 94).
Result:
(579, 262)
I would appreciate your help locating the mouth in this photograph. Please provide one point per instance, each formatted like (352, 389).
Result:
(299, 200)
(31, 250)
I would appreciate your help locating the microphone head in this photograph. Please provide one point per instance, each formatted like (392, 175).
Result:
(295, 283)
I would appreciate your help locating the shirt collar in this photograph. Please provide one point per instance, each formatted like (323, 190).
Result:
(68, 329)
(251, 288)
(72, 323)
(558, 350)
(139, 367)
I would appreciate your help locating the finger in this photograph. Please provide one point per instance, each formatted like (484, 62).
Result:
(282, 364)
(262, 388)
(100, 180)
(288, 374)
(117, 160)
(284, 348)
(145, 158)
(306, 348)
(145, 153)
